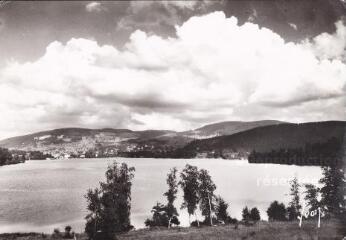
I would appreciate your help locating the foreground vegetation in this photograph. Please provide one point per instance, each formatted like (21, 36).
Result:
(262, 231)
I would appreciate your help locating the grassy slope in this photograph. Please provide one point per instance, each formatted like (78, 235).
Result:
(261, 231)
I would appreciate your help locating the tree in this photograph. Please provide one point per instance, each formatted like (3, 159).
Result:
(166, 215)
(255, 214)
(68, 233)
(245, 214)
(159, 218)
(189, 184)
(56, 233)
(221, 210)
(110, 204)
(294, 205)
(90, 154)
(171, 195)
(311, 196)
(5, 156)
(333, 189)
(206, 195)
(276, 211)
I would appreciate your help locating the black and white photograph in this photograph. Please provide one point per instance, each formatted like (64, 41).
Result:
(173, 120)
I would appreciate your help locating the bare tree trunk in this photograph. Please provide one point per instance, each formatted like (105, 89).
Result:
(211, 218)
(197, 219)
(169, 222)
(95, 228)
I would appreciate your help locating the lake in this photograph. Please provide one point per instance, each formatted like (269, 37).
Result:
(42, 195)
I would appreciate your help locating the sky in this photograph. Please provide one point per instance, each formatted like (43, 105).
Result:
(173, 65)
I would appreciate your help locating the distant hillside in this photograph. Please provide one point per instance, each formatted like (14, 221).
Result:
(180, 139)
(268, 138)
(76, 139)
(274, 139)
(112, 141)
(227, 128)
(57, 136)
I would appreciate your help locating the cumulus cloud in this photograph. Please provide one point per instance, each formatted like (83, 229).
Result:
(186, 4)
(181, 4)
(94, 7)
(213, 70)
(331, 46)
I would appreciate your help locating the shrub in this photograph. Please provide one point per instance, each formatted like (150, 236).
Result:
(245, 214)
(68, 233)
(255, 214)
(56, 233)
(160, 217)
(221, 210)
(277, 212)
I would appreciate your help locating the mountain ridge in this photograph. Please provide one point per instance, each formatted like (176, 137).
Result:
(61, 137)
(129, 130)
(230, 139)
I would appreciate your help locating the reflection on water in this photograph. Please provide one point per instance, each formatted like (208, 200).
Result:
(41, 195)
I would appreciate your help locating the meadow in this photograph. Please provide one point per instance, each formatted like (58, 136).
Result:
(262, 230)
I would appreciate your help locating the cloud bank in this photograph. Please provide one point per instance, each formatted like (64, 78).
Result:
(214, 70)
(94, 7)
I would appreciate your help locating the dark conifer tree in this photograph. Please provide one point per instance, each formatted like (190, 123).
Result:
(333, 190)
(159, 218)
(5, 156)
(221, 209)
(277, 212)
(255, 214)
(311, 196)
(246, 214)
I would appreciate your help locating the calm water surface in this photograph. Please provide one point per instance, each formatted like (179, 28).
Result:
(42, 195)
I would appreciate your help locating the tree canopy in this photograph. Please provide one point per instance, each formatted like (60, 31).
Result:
(294, 205)
(206, 195)
(189, 184)
(276, 212)
(109, 205)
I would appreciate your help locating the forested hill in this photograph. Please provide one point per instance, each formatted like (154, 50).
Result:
(227, 128)
(268, 138)
(73, 135)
